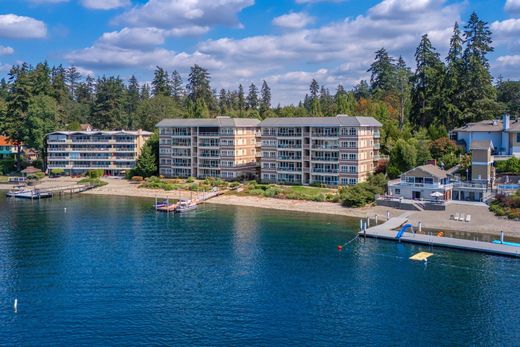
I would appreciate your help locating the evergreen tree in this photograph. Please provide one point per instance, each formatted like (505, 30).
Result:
(108, 110)
(41, 79)
(199, 85)
(85, 91)
(427, 84)
(241, 99)
(72, 77)
(327, 104)
(382, 73)
(453, 80)
(177, 89)
(223, 102)
(252, 97)
(145, 92)
(362, 90)
(265, 101)
(479, 95)
(132, 101)
(314, 102)
(161, 82)
(403, 88)
(146, 165)
(345, 102)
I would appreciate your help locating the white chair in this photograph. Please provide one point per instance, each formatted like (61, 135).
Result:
(462, 217)
(468, 218)
(456, 216)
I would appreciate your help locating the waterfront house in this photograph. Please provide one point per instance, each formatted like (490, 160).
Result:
(332, 151)
(221, 147)
(8, 148)
(76, 152)
(504, 134)
(426, 182)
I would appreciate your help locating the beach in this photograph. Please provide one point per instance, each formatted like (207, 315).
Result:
(482, 220)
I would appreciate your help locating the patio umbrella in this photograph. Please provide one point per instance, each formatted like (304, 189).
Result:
(437, 194)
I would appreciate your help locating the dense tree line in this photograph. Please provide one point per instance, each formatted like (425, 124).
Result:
(417, 107)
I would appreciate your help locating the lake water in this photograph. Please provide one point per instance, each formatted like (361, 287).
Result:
(112, 271)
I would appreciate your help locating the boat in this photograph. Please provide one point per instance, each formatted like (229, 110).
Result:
(28, 194)
(185, 206)
(163, 203)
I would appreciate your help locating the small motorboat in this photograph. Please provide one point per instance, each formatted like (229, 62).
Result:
(29, 194)
(185, 206)
(163, 203)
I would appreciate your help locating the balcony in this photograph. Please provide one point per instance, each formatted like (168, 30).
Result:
(325, 146)
(326, 171)
(285, 157)
(284, 145)
(377, 146)
(377, 134)
(290, 169)
(210, 134)
(324, 158)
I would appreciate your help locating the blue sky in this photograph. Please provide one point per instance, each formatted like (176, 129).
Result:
(285, 42)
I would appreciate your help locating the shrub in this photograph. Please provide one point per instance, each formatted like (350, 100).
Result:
(137, 179)
(156, 183)
(97, 173)
(36, 176)
(190, 180)
(57, 172)
(511, 165)
(93, 181)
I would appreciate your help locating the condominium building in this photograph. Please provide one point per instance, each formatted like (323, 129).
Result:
(332, 151)
(76, 152)
(220, 147)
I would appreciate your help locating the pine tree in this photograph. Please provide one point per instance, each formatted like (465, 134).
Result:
(479, 95)
(85, 91)
(426, 84)
(199, 85)
(223, 102)
(161, 82)
(314, 102)
(403, 87)
(382, 73)
(327, 104)
(265, 100)
(108, 110)
(145, 92)
(345, 102)
(241, 99)
(132, 101)
(41, 79)
(453, 86)
(72, 77)
(177, 89)
(252, 97)
(146, 165)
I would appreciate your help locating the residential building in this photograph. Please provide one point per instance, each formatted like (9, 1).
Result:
(221, 147)
(331, 151)
(76, 152)
(503, 133)
(482, 170)
(426, 182)
(8, 148)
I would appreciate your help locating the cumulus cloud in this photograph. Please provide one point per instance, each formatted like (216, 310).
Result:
(293, 20)
(21, 27)
(168, 14)
(105, 4)
(6, 50)
(512, 6)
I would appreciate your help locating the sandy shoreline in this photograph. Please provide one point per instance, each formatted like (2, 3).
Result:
(482, 220)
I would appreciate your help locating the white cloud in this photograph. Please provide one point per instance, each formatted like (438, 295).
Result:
(5, 67)
(105, 4)
(115, 57)
(512, 6)
(133, 37)
(20, 27)
(168, 14)
(6, 50)
(293, 20)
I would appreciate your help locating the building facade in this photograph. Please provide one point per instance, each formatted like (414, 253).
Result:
(426, 182)
(220, 147)
(331, 151)
(76, 152)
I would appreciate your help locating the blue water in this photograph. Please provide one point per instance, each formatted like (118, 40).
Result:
(111, 271)
(509, 186)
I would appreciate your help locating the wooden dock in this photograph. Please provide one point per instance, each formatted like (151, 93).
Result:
(388, 231)
(197, 200)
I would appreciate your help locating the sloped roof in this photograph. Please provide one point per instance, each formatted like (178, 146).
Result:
(208, 122)
(339, 120)
(4, 141)
(485, 125)
(481, 144)
(429, 169)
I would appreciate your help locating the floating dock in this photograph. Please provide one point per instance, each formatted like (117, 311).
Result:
(387, 231)
(197, 201)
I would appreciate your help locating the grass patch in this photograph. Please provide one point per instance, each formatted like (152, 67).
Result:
(291, 192)
(93, 181)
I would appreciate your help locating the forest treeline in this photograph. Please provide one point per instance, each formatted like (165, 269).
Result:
(416, 106)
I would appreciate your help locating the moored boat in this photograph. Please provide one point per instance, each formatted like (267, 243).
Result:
(185, 206)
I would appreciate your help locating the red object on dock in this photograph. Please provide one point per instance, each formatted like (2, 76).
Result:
(340, 247)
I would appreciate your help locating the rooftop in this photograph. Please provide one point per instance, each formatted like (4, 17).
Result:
(490, 125)
(208, 122)
(4, 141)
(339, 120)
(101, 132)
(430, 169)
(481, 144)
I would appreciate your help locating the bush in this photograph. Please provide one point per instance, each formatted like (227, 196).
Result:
(97, 173)
(57, 172)
(156, 183)
(190, 180)
(137, 179)
(36, 176)
(511, 165)
(7, 166)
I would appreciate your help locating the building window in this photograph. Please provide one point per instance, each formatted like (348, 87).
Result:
(397, 191)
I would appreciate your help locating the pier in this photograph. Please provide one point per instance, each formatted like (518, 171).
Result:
(388, 231)
(198, 200)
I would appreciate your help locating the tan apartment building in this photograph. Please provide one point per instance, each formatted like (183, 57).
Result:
(220, 147)
(332, 151)
(76, 152)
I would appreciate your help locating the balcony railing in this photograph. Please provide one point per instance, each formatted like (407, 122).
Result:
(323, 170)
(284, 145)
(325, 158)
(377, 146)
(325, 146)
(284, 157)
(290, 169)
(377, 134)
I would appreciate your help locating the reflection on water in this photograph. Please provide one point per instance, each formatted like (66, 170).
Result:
(112, 271)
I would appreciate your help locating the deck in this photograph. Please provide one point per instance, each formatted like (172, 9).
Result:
(387, 231)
